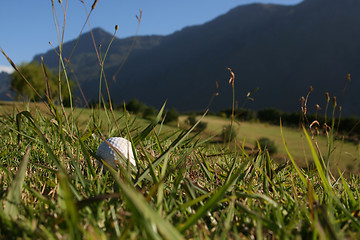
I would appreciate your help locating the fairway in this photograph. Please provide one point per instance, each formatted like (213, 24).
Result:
(181, 187)
(97, 140)
(108, 122)
(345, 155)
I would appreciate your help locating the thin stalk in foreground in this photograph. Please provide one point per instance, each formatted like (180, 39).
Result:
(301, 175)
(232, 82)
(106, 85)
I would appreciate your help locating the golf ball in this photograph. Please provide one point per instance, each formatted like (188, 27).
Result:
(107, 153)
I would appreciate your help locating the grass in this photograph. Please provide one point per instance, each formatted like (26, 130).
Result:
(81, 116)
(344, 155)
(185, 186)
(51, 187)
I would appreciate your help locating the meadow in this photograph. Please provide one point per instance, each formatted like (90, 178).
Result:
(186, 184)
(345, 155)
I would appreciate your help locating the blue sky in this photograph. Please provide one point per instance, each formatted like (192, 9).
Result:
(26, 27)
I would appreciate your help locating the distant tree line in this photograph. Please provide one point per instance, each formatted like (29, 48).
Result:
(192, 121)
(241, 114)
(149, 112)
(346, 125)
(138, 108)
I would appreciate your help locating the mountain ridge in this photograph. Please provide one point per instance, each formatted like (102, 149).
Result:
(4, 85)
(282, 50)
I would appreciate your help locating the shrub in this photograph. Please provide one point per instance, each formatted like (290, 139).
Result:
(135, 106)
(269, 145)
(201, 125)
(245, 114)
(149, 112)
(291, 119)
(349, 125)
(270, 115)
(241, 114)
(172, 115)
(191, 119)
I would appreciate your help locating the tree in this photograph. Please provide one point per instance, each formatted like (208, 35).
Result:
(135, 106)
(149, 112)
(270, 115)
(172, 115)
(201, 125)
(241, 114)
(266, 143)
(33, 73)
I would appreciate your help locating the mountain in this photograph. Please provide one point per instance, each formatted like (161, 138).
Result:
(4, 85)
(281, 50)
(84, 62)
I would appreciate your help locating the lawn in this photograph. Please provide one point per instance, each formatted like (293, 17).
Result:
(183, 187)
(345, 155)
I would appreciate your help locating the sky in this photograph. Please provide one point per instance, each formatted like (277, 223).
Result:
(27, 27)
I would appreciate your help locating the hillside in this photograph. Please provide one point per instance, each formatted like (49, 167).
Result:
(84, 61)
(4, 85)
(281, 50)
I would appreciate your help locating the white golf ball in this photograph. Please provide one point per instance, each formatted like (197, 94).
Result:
(107, 153)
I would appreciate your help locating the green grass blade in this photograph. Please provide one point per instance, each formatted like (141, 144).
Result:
(258, 196)
(40, 197)
(318, 164)
(230, 172)
(87, 157)
(158, 142)
(43, 140)
(210, 203)
(140, 205)
(150, 127)
(301, 175)
(203, 167)
(14, 194)
(176, 143)
(229, 218)
(352, 201)
(194, 201)
(67, 203)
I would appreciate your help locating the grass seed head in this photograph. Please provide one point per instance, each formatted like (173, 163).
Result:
(232, 78)
(94, 5)
(318, 107)
(140, 16)
(348, 77)
(327, 95)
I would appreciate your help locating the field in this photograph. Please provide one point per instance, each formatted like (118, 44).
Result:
(184, 186)
(345, 155)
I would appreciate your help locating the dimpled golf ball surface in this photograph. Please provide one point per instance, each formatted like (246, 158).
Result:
(108, 154)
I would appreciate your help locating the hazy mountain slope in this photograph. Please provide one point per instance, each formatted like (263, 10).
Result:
(84, 61)
(4, 85)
